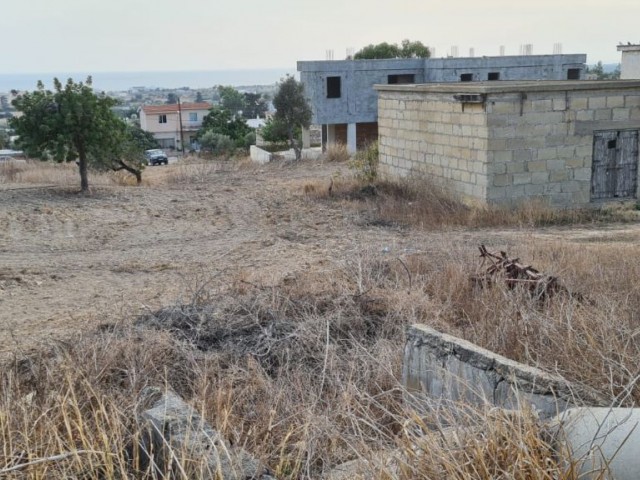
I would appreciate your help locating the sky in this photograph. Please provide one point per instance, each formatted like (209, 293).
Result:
(39, 36)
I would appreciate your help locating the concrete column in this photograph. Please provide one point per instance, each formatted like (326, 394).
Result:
(306, 138)
(351, 138)
(331, 134)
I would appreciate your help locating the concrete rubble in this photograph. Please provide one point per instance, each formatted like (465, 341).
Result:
(444, 371)
(178, 443)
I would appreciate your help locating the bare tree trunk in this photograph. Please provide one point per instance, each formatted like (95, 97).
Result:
(294, 145)
(82, 165)
(130, 169)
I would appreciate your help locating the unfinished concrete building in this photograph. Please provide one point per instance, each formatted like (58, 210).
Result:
(630, 62)
(569, 143)
(345, 103)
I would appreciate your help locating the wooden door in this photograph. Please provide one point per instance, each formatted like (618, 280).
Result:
(615, 164)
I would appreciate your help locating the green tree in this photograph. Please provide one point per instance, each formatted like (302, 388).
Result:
(408, 49)
(415, 49)
(381, 50)
(71, 122)
(231, 99)
(600, 74)
(255, 105)
(172, 98)
(222, 122)
(199, 98)
(217, 143)
(292, 110)
(127, 152)
(275, 131)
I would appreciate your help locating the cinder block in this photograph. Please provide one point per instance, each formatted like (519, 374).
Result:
(537, 166)
(556, 164)
(504, 107)
(515, 191)
(615, 101)
(522, 178)
(620, 114)
(558, 176)
(502, 180)
(542, 105)
(584, 115)
(571, 186)
(567, 152)
(539, 178)
(559, 104)
(631, 101)
(597, 102)
(582, 174)
(549, 153)
(579, 103)
(522, 155)
(533, 190)
(603, 114)
(516, 167)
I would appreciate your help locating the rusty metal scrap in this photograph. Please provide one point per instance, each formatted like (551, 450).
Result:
(513, 274)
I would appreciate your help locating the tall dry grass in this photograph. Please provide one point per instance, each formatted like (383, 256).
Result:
(306, 375)
(336, 152)
(36, 172)
(417, 203)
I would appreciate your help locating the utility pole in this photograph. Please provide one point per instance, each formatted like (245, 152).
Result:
(181, 130)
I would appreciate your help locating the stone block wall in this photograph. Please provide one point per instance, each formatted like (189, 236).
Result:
(541, 142)
(447, 371)
(432, 136)
(518, 141)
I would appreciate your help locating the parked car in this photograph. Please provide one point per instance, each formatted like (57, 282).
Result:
(156, 157)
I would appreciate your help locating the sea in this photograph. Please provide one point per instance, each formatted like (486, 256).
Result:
(123, 81)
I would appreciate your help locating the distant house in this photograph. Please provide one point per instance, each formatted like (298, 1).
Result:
(165, 122)
(346, 105)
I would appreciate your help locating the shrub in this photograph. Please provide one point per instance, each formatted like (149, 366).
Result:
(365, 163)
(217, 144)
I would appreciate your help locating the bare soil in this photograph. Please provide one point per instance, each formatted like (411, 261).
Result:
(70, 262)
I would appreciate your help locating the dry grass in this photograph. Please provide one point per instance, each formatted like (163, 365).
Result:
(417, 203)
(36, 172)
(306, 375)
(337, 152)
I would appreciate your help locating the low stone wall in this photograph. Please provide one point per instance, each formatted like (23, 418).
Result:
(447, 371)
(259, 156)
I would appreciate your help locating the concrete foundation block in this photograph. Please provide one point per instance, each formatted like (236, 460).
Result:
(447, 370)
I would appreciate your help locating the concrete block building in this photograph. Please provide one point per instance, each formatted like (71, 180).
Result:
(346, 105)
(568, 143)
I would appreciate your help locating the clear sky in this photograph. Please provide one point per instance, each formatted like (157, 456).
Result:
(140, 35)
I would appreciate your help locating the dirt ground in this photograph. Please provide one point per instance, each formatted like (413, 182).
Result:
(71, 262)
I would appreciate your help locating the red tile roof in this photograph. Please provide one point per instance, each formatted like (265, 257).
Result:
(150, 109)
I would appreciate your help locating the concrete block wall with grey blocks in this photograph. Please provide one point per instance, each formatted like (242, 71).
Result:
(447, 372)
(506, 142)
(357, 102)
